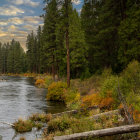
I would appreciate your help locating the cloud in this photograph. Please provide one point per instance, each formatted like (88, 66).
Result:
(13, 32)
(76, 2)
(10, 11)
(25, 2)
(18, 28)
(16, 21)
(27, 20)
(2, 34)
(32, 19)
(3, 23)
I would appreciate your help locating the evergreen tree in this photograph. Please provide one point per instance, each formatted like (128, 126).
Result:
(78, 50)
(129, 33)
(12, 58)
(49, 35)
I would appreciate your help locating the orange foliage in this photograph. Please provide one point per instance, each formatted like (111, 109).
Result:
(29, 74)
(90, 100)
(136, 116)
(106, 103)
(39, 82)
(96, 99)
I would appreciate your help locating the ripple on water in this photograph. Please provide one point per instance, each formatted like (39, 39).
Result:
(20, 98)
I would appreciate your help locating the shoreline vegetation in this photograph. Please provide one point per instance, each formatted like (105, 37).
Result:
(95, 53)
(98, 90)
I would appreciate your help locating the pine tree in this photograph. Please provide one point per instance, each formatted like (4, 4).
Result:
(78, 50)
(129, 33)
(49, 36)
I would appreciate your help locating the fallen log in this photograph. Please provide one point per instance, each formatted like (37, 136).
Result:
(101, 133)
(107, 114)
(74, 111)
(12, 125)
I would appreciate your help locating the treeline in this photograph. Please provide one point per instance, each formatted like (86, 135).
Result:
(47, 50)
(106, 34)
(12, 58)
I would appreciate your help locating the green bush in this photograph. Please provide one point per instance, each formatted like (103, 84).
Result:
(109, 84)
(72, 99)
(60, 123)
(130, 84)
(69, 125)
(109, 89)
(131, 78)
(57, 91)
(48, 81)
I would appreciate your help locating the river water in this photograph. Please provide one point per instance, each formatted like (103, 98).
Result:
(19, 98)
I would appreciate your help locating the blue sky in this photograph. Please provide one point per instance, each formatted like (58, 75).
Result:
(20, 17)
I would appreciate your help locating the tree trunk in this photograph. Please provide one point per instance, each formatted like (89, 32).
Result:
(68, 59)
(53, 69)
(101, 133)
(67, 42)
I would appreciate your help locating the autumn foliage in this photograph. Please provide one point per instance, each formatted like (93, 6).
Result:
(40, 82)
(90, 100)
(96, 99)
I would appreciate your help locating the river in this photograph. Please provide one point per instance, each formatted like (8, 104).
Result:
(19, 98)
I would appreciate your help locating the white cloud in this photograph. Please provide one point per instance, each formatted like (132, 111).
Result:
(3, 23)
(16, 21)
(10, 11)
(27, 20)
(25, 2)
(32, 19)
(76, 2)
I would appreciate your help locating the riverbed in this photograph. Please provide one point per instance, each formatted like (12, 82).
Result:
(19, 98)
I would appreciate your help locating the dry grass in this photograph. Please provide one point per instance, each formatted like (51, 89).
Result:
(23, 126)
(44, 118)
(88, 86)
(22, 138)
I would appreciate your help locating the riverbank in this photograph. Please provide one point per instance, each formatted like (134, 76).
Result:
(108, 92)
(105, 91)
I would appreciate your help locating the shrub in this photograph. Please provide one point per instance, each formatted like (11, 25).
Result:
(23, 125)
(107, 72)
(41, 117)
(48, 81)
(72, 98)
(69, 125)
(107, 103)
(130, 84)
(56, 91)
(38, 125)
(90, 100)
(109, 84)
(40, 82)
(95, 99)
(60, 123)
(109, 91)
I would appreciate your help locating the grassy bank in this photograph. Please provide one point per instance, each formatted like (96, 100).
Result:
(102, 91)
(99, 90)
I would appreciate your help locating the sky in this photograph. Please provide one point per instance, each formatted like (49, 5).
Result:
(18, 18)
